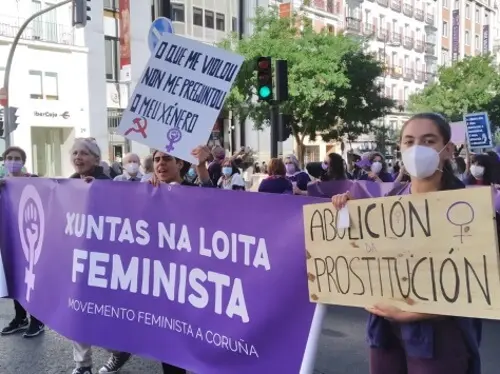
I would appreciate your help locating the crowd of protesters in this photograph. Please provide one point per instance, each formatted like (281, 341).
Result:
(429, 162)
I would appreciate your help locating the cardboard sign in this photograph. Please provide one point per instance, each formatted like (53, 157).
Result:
(179, 96)
(432, 253)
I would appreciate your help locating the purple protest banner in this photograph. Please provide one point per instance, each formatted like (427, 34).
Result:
(364, 189)
(169, 273)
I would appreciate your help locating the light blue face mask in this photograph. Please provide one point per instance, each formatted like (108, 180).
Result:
(227, 171)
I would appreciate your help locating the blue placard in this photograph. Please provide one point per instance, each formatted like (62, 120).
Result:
(478, 130)
(159, 27)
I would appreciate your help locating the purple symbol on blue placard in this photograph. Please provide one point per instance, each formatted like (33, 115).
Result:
(174, 135)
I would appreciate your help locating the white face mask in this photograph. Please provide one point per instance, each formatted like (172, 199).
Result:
(132, 168)
(477, 171)
(376, 167)
(420, 162)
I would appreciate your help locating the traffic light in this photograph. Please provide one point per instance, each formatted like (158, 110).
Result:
(80, 12)
(286, 127)
(264, 79)
(13, 119)
(281, 73)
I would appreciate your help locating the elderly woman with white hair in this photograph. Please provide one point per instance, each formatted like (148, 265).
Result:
(299, 178)
(86, 158)
(131, 165)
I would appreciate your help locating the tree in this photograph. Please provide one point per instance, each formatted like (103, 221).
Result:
(470, 85)
(332, 81)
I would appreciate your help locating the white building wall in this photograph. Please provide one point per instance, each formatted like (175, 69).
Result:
(51, 97)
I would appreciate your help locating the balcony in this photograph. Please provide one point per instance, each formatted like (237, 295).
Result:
(383, 2)
(396, 71)
(368, 29)
(353, 25)
(408, 74)
(429, 19)
(419, 14)
(429, 77)
(396, 5)
(408, 42)
(38, 31)
(419, 46)
(396, 38)
(419, 76)
(327, 6)
(430, 49)
(408, 10)
(382, 34)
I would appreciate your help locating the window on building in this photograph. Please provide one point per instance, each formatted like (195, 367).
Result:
(36, 84)
(407, 30)
(456, 4)
(220, 22)
(477, 42)
(51, 86)
(177, 12)
(197, 16)
(37, 30)
(394, 90)
(406, 93)
(478, 16)
(406, 62)
(330, 29)
(394, 58)
(486, 18)
(445, 29)
(467, 11)
(111, 4)
(467, 38)
(209, 19)
(111, 56)
(444, 57)
(446, 3)
(234, 24)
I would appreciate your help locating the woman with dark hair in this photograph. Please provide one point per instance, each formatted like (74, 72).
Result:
(299, 178)
(276, 182)
(231, 178)
(460, 168)
(172, 170)
(333, 168)
(14, 160)
(378, 169)
(482, 171)
(407, 342)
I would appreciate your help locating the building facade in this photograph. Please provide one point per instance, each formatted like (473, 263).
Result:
(467, 28)
(51, 99)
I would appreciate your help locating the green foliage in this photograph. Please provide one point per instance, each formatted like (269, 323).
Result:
(332, 80)
(470, 85)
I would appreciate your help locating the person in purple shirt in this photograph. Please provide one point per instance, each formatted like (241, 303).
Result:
(277, 181)
(378, 169)
(415, 343)
(299, 178)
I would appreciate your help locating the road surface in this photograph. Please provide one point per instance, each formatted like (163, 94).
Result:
(342, 348)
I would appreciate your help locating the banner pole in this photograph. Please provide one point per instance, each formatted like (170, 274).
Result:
(309, 359)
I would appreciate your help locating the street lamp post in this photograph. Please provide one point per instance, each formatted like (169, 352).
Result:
(8, 66)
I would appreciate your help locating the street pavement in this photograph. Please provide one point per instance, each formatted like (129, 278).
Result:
(342, 348)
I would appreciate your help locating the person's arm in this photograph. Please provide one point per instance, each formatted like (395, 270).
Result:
(202, 153)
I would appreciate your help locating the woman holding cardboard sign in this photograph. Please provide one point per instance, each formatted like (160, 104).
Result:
(413, 343)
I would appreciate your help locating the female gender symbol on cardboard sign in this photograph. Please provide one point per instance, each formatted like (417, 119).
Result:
(174, 135)
(461, 217)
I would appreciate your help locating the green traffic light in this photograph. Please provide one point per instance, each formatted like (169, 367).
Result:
(264, 92)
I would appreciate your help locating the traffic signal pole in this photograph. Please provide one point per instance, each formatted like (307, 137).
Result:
(8, 66)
